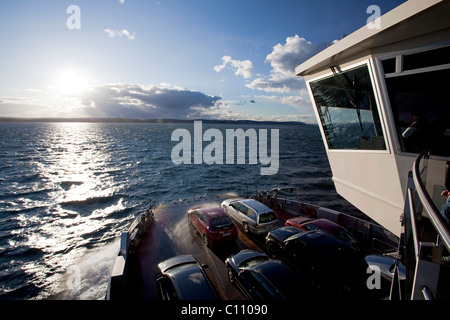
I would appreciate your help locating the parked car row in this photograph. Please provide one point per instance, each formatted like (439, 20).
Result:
(306, 257)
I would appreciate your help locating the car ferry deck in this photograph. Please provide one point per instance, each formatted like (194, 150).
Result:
(169, 234)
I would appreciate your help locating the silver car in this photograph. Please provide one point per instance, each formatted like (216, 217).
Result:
(254, 216)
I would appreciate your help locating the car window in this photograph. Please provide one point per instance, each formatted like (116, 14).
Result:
(310, 226)
(168, 290)
(220, 221)
(251, 214)
(297, 244)
(346, 236)
(235, 205)
(194, 286)
(267, 217)
(199, 216)
(243, 209)
(264, 289)
(253, 262)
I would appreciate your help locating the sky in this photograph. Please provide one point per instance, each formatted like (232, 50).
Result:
(182, 59)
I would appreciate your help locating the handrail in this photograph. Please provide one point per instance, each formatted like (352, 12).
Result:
(412, 214)
(428, 204)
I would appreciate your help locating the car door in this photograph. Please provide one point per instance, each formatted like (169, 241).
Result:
(201, 222)
(248, 216)
(195, 220)
(233, 210)
(294, 251)
(249, 285)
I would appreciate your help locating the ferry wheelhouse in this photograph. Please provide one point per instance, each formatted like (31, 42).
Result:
(381, 96)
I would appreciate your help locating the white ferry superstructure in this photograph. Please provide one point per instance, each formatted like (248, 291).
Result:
(366, 90)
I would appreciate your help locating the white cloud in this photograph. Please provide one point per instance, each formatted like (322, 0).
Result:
(294, 100)
(283, 60)
(240, 68)
(145, 101)
(122, 1)
(118, 100)
(118, 33)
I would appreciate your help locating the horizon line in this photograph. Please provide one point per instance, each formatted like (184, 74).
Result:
(133, 120)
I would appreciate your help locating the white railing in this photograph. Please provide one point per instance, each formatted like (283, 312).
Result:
(425, 238)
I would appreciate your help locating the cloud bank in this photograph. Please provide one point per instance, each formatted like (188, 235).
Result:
(145, 101)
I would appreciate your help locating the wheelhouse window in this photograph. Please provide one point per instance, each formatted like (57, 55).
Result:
(419, 95)
(347, 110)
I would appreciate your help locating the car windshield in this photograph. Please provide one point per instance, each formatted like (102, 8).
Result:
(253, 262)
(281, 280)
(220, 221)
(267, 217)
(346, 236)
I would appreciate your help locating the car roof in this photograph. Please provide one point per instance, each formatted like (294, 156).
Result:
(280, 276)
(256, 205)
(323, 243)
(247, 254)
(165, 265)
(212, 211)
(192, 283)
(301, 219)
(282, 233)
(326, 224)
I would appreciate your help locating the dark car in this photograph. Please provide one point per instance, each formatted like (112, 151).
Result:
(260, 278)
(326, 225)
(183, 278)
(331, 266)
(213, 225)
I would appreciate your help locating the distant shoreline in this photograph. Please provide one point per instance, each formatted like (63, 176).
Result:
(126, 120)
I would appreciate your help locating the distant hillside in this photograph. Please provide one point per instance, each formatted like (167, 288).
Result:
(124, 120)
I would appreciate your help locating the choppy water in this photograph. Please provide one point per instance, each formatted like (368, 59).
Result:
(68, 189)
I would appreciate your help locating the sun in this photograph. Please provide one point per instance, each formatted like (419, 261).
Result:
(71, 80)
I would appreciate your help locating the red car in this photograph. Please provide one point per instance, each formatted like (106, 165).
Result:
(325, 225)
(213, 225)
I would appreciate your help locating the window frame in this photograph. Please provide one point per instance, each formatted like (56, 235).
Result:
(369, 63)
(399, 72)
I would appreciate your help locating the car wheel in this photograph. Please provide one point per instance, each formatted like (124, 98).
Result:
(231, 275)
(272, 250)
(246, 229)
